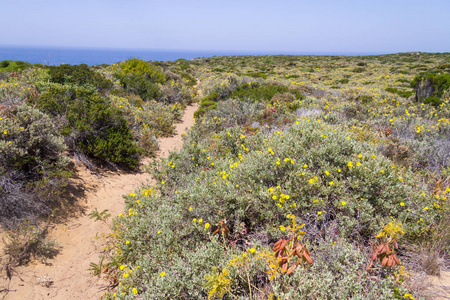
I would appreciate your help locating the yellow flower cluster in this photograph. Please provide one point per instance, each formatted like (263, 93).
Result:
(275, 193)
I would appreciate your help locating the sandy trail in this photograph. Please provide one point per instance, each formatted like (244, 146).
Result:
(79, 236)
(441, 285)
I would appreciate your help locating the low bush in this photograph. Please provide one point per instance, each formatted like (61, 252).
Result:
(342, 162)
(207, 103)
(339, 272)
(139, 85)
(14, 66)
(432, 100)
(359, 70)
(89, 124)
(80, 75)
(28, 242)
(141, 78)
(32, 163)
(402, 93)
(141, 68)
(431, 86)
(264, 92)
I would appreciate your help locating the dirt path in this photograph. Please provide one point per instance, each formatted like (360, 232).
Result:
(78, 236)
(441, 289)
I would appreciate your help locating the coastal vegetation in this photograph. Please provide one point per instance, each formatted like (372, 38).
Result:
(52, 114)
(304, 177)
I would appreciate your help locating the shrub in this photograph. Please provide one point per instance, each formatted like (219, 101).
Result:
(263, 92)
(175, 92)
(139, 85)
(338, 272)
(157, 117)
(359, 70)
(90, 125)
(141, 78)
(14, 66)
(402, 93)
(245, 167)
(80, 75)
(365, 99)
(208, 103)
(31, 164)
(432, 100)
(431, 85)
(141, 68)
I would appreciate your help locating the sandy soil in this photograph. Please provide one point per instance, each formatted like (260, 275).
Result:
(441, 285)
(79, 236)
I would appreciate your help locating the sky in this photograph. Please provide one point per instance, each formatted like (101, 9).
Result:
(286, 26)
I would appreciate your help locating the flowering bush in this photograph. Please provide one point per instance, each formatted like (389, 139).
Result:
(318, 172)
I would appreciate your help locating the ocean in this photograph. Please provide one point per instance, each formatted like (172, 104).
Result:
(75, 56)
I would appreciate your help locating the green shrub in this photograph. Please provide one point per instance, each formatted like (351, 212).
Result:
(139, 85)
(257, 74)
(177, 90)
(359, 70)
(141, 68)
(432, 100)
(80, 75)
(439, 83)
(90, 125)
(14, 66)
(208, 103)
(264, 92)
(365, 99)
(155, 116)
(402, 93)
(141, 78)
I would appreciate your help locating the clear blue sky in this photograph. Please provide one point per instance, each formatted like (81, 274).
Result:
(365, 26)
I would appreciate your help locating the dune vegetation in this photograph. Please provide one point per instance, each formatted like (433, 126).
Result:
(104, 116)
(304, 177)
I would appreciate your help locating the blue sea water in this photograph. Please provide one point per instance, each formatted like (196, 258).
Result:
(75, 56)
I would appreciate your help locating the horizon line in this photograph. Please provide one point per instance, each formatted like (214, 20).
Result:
(234, 51)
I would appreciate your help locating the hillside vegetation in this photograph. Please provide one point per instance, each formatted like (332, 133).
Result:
(103, 115)
(304, 177)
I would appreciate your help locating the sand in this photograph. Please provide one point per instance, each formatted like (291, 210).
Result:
(440, 286)
(79, 236)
